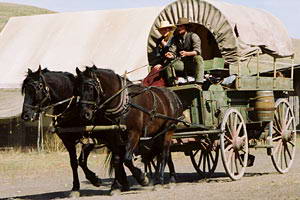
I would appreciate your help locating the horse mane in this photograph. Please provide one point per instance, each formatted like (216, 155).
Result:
(44, 71)
(95, 69)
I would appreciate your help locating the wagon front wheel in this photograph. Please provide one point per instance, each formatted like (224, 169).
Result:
(205, 159)
(283, 136)
(234, 144)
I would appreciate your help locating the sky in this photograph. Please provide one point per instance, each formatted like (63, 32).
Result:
(288, 11)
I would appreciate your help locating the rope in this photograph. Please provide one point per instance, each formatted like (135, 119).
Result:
(59, 103)
(163, 68)
(135, 70)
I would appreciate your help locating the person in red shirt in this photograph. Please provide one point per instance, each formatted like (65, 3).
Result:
(156, 77)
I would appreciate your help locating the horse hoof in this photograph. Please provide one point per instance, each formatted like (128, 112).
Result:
(172, 179)
(171, 185)
(157, 187)
(125, 188)
(146, 181)
(74, 194)
(115, 192)
(96, 182)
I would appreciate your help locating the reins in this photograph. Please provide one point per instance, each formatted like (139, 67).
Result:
(57, 104)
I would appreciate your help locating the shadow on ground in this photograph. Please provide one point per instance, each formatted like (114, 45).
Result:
(104, 190)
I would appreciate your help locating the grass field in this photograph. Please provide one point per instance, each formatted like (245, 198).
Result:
(8, 10)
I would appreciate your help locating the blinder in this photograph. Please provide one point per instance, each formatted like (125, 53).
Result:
(96, 84)
(41, 89)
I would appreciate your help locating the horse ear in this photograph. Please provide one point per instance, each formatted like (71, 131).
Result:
(39, 69)
(78, 71)
(29, 71)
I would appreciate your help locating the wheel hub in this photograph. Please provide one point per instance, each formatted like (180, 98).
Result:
(238, 143)
(287, 136)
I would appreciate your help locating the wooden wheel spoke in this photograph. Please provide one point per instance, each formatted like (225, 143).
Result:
(229, 129)
(236, 164)
(239, 129)
(200, 159)
(235, 122)
(194, 154)
(229, 147)
(204, 162)
(289, 123)
(281, 112)
(211, 157)
(277, 146)
(288, 151)
(230, 122)
(279, 152)
(281, 157)
(277, 130)
(228, 139)
(208, 163)
(286, 114)
(230, 153)
(291, 143)
(285, 159)
(277, 122)
(275, 139)
(240, 159)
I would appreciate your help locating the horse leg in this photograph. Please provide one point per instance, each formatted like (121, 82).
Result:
(91, 176)
(171, 169)
(120, 181)
(165, 155)
(141, 178)
(71, 148)
(131, 144)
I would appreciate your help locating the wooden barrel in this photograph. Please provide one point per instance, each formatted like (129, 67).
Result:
(264, 106)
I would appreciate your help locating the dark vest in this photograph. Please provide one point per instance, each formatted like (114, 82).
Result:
(186, 45)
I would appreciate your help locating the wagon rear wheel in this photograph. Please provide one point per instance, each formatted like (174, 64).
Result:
(234, 144)
(205, 159)
(283, 136)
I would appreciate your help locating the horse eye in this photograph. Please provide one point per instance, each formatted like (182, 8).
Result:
(40, 85)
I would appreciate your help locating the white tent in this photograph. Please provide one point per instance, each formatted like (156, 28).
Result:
(115, 39)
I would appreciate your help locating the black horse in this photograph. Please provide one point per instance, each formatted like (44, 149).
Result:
(44, 88)
(147, 112)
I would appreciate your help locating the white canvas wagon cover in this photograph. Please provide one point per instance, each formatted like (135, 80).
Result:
(239, 31)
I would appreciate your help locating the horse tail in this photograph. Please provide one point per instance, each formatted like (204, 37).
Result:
(108, 163)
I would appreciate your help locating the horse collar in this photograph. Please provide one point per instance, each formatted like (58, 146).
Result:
(123, 105)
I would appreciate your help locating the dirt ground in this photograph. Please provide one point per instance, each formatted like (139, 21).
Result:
(48, 176)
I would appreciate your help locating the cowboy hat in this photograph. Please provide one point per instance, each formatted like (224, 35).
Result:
(166, 24)
(182, 21)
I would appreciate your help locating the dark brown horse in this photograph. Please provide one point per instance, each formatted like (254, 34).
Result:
(147, 112)
(43, 89)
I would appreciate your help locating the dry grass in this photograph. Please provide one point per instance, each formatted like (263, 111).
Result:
(52, 143)
(16, 165)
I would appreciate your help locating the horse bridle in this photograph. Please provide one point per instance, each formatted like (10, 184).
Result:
(95, 83)
(40, 86)
(119, 109)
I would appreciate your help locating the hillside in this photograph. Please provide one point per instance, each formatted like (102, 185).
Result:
(8, 10)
